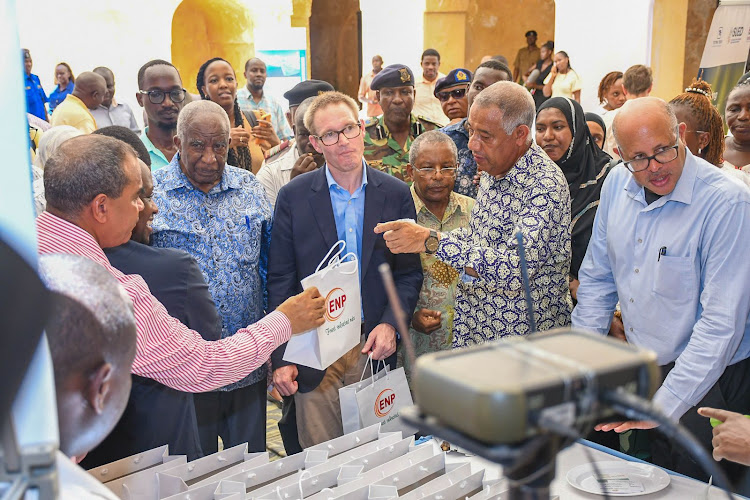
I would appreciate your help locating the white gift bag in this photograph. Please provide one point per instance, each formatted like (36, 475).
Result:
(382, 400)
(338, 282)
(348, 399)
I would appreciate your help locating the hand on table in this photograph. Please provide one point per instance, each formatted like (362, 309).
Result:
(304, 310)
(732, 437)
(426, 320)
(285, 379)
(381, 342)
(403, 237)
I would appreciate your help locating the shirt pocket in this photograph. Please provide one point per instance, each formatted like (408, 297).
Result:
(675, 277)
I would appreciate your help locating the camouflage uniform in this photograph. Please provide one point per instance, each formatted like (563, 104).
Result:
(384, 153)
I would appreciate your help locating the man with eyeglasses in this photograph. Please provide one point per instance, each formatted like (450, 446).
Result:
(432, 165)
(388, 137)
(451, 92)
(161, 95)
(669, 241)
(342, 200)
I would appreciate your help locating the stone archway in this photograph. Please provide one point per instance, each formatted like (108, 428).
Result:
(202, 29)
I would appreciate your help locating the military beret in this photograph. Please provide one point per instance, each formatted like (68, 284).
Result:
(455, 77)
(530, 33)
(305, 89)
(395, 75)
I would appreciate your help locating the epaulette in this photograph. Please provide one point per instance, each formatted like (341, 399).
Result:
(279, 148)
(371, 120)
(428, 120)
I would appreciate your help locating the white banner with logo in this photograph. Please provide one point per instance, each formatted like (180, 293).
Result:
(338, 282)
(726, 52)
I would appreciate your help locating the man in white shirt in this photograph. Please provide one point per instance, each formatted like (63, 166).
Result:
(302, 158)
(111, 112)
(425, 102)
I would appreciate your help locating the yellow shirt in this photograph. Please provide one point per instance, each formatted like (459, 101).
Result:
(425, 102)
(565, 84)
(72, 111)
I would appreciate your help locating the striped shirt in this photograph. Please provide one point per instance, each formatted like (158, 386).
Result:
(168, 351)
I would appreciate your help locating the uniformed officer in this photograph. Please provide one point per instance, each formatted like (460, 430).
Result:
(35, 96)
(388, 137)
(295, 96)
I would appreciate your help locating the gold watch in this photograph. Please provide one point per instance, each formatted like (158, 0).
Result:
(431, 243)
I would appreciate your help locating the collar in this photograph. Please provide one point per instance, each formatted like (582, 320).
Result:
(332, 182)
(381, 121)
(76, 239)
(453, 204)
(459, 127)
(147, 142)
(682, 192)
(174, 178)
(293, 155)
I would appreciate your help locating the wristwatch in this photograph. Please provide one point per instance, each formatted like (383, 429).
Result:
(431, 243)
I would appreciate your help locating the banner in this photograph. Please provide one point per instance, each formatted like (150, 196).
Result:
(726, 52)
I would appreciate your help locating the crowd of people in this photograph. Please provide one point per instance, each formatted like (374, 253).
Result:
(632, 218)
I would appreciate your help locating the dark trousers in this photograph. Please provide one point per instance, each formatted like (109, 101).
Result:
(288, 426)
(731, 392)
(237, 416)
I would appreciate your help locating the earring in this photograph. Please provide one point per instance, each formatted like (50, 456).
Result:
(699, 150)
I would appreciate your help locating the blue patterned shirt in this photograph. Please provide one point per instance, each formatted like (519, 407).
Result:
(467, 166)
(228, 231)
(534, 198)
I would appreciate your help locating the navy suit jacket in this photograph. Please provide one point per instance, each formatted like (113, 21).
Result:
(304, 229)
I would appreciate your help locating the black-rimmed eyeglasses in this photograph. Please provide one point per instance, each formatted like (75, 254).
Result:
(663, 156)
(330, 138)
(157, 96)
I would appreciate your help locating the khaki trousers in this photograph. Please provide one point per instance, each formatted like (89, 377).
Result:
(318, 411)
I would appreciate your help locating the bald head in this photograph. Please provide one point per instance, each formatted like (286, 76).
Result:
(634, 111)
(90, 88)
(92, 339)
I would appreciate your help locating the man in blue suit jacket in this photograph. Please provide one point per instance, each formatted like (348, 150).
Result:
(342, 201)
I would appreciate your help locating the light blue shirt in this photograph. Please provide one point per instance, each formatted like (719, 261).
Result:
(270, 105)
(680, 269)
(349, 213)
(158, 160)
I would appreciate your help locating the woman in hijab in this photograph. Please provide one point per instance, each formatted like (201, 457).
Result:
(562, 132)
(597, 128)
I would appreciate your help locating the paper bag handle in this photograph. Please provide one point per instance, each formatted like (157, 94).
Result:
(334, 256)
(372, 371)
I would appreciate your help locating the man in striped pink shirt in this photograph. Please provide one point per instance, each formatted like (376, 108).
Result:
(92, 184)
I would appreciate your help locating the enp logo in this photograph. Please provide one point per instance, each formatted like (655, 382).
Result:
(335, 301)
(384, 402)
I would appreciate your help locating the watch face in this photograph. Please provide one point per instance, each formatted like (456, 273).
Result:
(431, 244)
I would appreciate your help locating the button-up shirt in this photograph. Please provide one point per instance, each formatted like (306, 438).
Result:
(168, 351)
(158, 160)
(425, 102)
(270, 105)
(532, 197)
(349, 213)
(680, 270)
(117, 114)
(35, 96)
(440, 280)
(72, 111)
(57, 96)
(276, 174)
(227, 231)
(467, 165)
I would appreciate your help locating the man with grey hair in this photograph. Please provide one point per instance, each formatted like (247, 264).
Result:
(93, 185)
(669, 242)
(432, 166)
(219, 214)
(521, 189)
